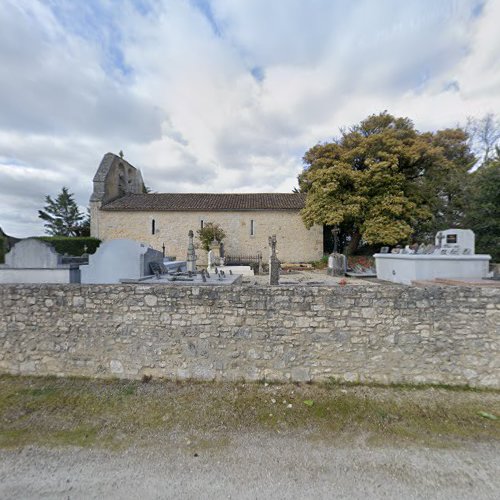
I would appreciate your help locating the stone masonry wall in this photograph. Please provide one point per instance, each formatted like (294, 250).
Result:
(379, 334)
(296, 243)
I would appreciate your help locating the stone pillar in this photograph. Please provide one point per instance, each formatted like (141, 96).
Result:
(274, 263)
(191, 255)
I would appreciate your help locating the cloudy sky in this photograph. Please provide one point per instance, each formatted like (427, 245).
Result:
(221, 95)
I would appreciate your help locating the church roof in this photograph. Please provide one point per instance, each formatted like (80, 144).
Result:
(206, 202)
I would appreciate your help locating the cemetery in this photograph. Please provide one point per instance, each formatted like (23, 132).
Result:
(129, 311)
(452, 257)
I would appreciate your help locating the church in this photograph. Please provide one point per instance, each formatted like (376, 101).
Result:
(120, 208)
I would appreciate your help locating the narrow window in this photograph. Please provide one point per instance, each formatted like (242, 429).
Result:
(153, 227)
(201, 223)
(252, 227)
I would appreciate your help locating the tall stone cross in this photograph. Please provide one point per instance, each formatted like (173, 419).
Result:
(274, 263)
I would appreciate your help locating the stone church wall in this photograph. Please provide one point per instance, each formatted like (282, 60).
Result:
(296, 243)
(385, 334)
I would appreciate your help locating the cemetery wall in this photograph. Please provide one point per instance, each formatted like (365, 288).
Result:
(384, 334)
(296, 243)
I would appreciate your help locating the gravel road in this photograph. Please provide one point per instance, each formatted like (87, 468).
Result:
(252, 466)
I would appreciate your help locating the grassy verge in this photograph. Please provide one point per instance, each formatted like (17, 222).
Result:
(116, 413)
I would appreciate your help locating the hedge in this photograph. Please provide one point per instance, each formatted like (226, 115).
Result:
(72, 245)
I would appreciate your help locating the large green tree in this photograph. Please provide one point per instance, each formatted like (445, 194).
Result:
(382, 181)
(483, 214)
(445, 183)
(62, 216)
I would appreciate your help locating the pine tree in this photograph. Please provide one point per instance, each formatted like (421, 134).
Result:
(62, 216)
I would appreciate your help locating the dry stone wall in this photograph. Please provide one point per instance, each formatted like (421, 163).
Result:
(377, 334)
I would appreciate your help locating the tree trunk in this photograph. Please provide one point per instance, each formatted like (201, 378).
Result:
(354, 243)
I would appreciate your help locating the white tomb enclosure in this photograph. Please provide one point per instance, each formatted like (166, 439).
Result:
(35, 261)
(454, 257)
(115, 260)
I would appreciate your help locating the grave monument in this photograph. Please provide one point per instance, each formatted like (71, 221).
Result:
(35, 261)
(116, 260)
(274, 263)
(452, 256)
(337, 262)
(191, 255)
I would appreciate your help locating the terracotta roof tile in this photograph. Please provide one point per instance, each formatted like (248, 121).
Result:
(208, 202)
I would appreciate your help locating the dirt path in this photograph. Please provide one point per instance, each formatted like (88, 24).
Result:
(79, 438)
(252, 466)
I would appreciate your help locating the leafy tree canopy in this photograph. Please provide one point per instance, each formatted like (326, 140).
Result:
(382, 180)
(208, 233)
(483, 215)
(62, 216)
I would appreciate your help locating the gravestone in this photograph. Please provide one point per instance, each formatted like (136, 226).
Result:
(33, 253)
(336, 264)
(274, 263)
(34, 261)
(191, 255)
(115, 260)
(456, 238)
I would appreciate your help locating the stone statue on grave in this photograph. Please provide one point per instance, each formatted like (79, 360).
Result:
(191, 254)
(274, 263)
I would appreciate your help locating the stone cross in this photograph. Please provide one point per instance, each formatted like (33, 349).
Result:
(335, 233)
(274, 263)
(191, 255)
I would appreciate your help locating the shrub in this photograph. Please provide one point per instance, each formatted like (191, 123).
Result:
(210, 231)
(320, 264)
(74, 246)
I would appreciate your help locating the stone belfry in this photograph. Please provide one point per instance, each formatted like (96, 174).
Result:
(114, 178)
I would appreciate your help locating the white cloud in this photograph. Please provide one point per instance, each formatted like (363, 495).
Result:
(222, 95)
